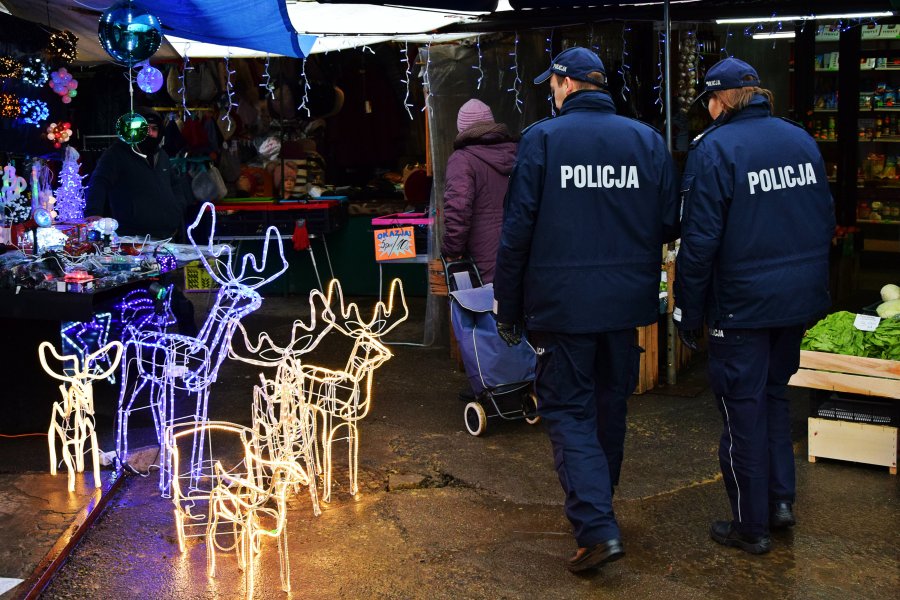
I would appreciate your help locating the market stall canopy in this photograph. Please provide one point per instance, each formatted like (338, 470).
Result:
(260, 25)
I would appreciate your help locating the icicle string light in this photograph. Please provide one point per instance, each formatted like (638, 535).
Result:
(186, 66)
(516, 88)
(304, 101)
(267, 81)
(229, 89)
(626, 68)
(661, 40)
(407, 74)
(478, 67)
(426, 79)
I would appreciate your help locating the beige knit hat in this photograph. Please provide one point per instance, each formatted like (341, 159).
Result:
(473, 111)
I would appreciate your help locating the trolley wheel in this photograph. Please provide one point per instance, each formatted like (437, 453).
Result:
(530, 406)
(476, 419)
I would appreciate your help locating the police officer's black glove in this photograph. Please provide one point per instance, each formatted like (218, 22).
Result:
(691, 338)
(510, 332)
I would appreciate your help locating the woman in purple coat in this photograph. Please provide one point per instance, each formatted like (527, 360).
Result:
(476, 180)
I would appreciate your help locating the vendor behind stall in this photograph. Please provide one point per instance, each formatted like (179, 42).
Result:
(137, 186)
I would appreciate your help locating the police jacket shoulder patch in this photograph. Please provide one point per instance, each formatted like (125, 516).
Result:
(535, 123)
(792, 122)
(703, 134)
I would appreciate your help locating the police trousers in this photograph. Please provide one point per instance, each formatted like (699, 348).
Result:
(583, 382)
(748, 371)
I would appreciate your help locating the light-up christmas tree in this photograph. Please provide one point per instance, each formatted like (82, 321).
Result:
(70, 194)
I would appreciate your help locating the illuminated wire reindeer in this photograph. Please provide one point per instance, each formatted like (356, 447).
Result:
(343, 397)
(73, 418)
(254, 506)
(282, 417)
(168, 362)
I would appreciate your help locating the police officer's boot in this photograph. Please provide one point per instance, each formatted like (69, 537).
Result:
(781, 515)
(724, 533)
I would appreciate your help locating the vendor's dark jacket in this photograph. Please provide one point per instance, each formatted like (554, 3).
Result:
(144, 200)
(758, 219)
(476, 181)
(592, 199)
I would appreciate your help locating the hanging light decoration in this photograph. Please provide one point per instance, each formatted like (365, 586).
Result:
(9, 106)
(10, 68)
(149, 79)
(35, 72)
(132, 128)
(33, 111)
(63, 45)
(129, 33)
(59, 133)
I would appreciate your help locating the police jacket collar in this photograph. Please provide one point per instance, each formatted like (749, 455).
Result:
(757, 107)
(596, 100)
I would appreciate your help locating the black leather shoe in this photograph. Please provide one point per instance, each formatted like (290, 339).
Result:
(781, 516)
(590, 558)
(724, 533)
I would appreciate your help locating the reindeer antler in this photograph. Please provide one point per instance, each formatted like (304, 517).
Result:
(42, 354)
(303, 339)
(347, 319)
(251, 281)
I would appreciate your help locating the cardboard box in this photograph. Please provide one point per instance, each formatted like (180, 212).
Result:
(889, 32)
(827, 33)
(871, 32)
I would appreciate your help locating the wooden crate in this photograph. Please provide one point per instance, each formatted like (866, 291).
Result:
(843, 373)
(856, 442)
(844, 440)
(647, 338)
(437, 281)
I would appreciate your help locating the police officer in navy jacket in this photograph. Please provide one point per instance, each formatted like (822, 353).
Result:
(757, 223)
(591, 201)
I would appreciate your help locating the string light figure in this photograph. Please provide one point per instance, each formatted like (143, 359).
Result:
(516, 88)
(267, 81)
(186, 66)
(166, 363)
(229, 89)
(33, 112)
(83, 337)
(343, 397)
(73, 418)
(70, 193)
(304, 100)
(625, 71)
(16, 206)
(407, 75)
(478, 66)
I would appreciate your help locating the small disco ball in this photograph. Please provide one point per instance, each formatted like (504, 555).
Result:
(129, 33)
(132, 128)
(149, 79)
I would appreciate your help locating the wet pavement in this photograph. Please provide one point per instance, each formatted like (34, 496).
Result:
(442, 514)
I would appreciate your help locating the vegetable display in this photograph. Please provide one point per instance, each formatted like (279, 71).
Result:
(837, 335)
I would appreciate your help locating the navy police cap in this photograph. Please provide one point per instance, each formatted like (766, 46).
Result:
(729, 73)
(575, 63)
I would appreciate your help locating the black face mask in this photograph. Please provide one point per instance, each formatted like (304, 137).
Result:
(149, 145)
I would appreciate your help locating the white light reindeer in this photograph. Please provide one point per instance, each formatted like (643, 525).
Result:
(167, 362)
(73, 418)
(343, 397)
